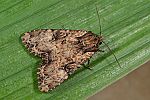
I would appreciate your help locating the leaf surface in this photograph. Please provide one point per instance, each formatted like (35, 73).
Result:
(125, 28)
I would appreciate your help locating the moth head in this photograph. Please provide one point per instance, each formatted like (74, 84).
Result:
(90, 42)
(90, 39)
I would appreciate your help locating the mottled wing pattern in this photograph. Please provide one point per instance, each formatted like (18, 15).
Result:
(62, 52)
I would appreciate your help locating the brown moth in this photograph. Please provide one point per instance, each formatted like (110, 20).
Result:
(62, 52)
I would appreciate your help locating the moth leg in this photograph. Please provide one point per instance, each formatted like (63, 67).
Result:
(88, 62)
(100, 50)
(87, 66)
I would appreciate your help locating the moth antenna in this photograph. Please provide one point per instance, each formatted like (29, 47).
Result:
(100, 27)
(112, 53)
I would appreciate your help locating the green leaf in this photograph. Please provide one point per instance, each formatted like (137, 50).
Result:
(125, 28)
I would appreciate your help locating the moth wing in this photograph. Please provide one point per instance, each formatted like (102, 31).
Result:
(49, 77)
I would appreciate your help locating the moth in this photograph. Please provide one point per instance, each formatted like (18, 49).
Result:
(62, 52)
